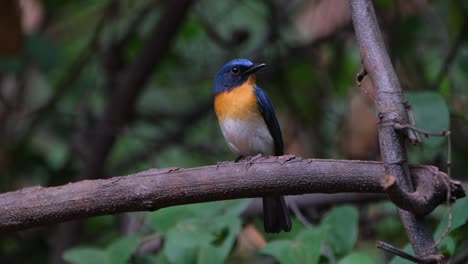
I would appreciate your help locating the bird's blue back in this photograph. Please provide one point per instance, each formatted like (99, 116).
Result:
(248, 123)
(268, 114)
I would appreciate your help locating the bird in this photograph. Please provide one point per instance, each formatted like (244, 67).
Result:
(248, 123)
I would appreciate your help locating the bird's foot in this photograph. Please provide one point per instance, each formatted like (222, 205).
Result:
(240, 158)
(221, 163)
(251, 159)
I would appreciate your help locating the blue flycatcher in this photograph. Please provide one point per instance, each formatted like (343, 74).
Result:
(249, 126)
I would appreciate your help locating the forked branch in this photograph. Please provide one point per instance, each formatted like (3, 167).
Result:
(391, 108)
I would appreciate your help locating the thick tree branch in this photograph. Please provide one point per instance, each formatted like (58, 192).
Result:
(390, 105)
(157, 188)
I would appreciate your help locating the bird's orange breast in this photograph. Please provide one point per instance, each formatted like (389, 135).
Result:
(238, 103)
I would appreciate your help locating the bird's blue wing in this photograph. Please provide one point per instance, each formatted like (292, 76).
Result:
(268, 113)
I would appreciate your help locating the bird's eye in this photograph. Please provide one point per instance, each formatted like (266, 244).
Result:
(235, 70)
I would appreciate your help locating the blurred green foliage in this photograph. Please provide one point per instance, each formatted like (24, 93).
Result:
(119, 251)
(310, 81)
(337, 231)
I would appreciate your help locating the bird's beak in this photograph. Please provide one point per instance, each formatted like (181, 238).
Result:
(254, 68)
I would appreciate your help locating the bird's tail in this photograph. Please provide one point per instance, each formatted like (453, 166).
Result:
(275, 214)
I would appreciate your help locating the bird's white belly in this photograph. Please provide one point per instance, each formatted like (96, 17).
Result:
(247, 137)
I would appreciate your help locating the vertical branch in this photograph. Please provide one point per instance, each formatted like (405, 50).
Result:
(391, 109)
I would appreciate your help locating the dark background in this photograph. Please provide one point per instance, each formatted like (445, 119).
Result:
(93, 89)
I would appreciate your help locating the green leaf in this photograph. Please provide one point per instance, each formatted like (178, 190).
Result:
(118, 252)
(338, 227)
(388, 4)
(281, 250)
(41, 51)
(297, 227)
(459, 220)
(208, 254)
(236, 207)
(226, 229)
(431, 113)
(160, 259)
(83, 255)
(356, 258)
(304, 249)
(448, 246)
(10, 64)
(201, 240)
(398, 260)
(121, 250)
(164, 219)
(311, 240)
(149, 259)
(181, 242)
(389, 228)
(57, 155)
(95, 225)
(342, 222)
(459, 217)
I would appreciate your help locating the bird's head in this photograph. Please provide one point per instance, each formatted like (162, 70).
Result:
(234, 74)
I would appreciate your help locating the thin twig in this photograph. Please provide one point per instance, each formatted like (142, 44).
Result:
(359, 77)
(150, 245)
(445, 133)
(413, 135)
(299, 216)
(396, 251)
(449, 154)
(449, 225)
(426, 133)
(449, 210)
(328, 252)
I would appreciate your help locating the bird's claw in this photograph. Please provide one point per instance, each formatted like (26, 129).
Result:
(251, 159)
(221, 163)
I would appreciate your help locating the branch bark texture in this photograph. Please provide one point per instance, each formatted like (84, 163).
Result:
(390, 105)
(158, 188)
